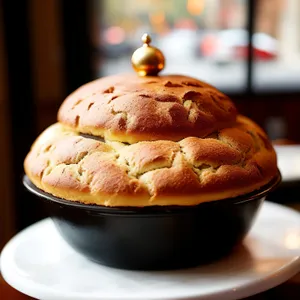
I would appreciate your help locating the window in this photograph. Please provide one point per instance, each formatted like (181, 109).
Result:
(196, 37)
(206, 39)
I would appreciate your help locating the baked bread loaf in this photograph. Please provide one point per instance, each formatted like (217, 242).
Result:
(137, 141)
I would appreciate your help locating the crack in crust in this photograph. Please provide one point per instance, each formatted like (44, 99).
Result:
(109, 90)
(192, 83)
(90, 105)
(77, 118)
(170, 84)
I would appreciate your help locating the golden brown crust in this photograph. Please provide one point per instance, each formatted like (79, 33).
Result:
(169, 140)
(129, 108)
(230, 162)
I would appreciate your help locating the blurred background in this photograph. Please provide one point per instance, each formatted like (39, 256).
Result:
(250, 50)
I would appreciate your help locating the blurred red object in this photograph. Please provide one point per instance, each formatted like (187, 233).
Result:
(242, 52)
(232, 44)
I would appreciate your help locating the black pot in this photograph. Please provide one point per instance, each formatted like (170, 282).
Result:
(156, 237)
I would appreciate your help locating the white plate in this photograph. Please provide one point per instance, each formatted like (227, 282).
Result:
(289, 162)
(38, 263)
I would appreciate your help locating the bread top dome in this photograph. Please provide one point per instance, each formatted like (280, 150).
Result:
(129, 108)
(127, 140)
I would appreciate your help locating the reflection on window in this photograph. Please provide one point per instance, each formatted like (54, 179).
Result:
(206, 39)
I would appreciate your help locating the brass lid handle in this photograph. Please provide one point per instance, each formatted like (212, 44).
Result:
(147, 60)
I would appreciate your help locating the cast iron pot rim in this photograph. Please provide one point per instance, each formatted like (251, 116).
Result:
(262, 192)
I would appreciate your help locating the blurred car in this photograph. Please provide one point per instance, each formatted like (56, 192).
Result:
(231, 45)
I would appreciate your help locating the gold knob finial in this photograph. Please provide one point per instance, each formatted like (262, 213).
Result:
(146, 39)
(147, 60)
